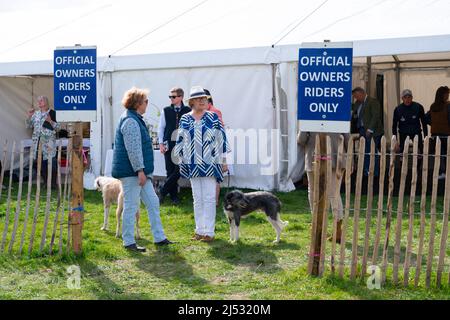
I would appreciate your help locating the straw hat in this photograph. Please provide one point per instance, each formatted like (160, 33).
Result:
(197, 92)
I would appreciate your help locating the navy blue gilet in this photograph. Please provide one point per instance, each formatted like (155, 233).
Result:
(121, 165)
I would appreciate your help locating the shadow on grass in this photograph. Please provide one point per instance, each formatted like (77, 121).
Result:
(167, 263)
(356, 288)
(257, 256)
(106, 288)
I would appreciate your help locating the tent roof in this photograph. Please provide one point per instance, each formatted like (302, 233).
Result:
(175, 31)
(385, 51)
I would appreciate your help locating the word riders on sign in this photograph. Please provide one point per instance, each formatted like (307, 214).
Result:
(325, 86)
(75, 83)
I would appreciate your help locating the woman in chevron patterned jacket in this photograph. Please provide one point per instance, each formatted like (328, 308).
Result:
(200, 150)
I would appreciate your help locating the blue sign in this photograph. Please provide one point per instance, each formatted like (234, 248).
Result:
(75, 80)
(325, 88)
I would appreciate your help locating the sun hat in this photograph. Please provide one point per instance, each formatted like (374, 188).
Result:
(197, 92)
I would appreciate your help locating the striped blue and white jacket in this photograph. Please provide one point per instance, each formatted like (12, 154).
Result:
(200, 146)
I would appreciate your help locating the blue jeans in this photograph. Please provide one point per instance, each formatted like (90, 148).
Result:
(133, 192)
(377, 141)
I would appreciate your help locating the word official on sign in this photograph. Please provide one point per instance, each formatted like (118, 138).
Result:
(75, 83)
(325, 86)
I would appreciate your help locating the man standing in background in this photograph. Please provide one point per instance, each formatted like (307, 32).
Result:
(169, 121)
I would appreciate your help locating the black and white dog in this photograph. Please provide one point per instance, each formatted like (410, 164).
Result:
(238, 204)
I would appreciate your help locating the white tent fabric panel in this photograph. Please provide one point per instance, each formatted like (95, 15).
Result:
(242, 93)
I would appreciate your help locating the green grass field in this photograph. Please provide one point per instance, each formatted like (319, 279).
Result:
(254, 268)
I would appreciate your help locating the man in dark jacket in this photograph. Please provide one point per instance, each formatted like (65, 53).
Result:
(368, 116)
(169, 122)
(408, 118)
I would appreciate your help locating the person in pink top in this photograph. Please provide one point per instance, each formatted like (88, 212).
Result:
(219, 114)
(211, 106)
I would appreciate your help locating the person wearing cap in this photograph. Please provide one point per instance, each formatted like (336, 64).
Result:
(200, 150)
(212, 108)
(369, 123)
(169, 122)
(409, 120)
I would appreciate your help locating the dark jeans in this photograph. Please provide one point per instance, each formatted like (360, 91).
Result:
(44, 170)
(403, 137)
(444, 142)
(173, 174)
(377, 141)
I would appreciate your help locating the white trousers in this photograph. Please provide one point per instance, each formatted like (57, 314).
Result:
(204, 194)
(336, 202)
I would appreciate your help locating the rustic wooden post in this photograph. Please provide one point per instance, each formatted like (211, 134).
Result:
(423, 203)
(437, 164)
(337, 193)
(389, 206)
(76, 215)
(328, 178)
(19, 200)
(30, 186)
(359, 177)
(411, 208)
(37, 198)
(320, 207)
(2, 173)
(444, 233)
(58, 204)
(65, 195)
(380, 200)
(398, 229)
(8, 206)
(47, 203)
(369, 210)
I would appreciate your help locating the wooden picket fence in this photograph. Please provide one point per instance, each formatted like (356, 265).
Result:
(367, 242)
(45, 222)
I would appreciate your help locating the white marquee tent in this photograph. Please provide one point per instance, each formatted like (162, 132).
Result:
(225, 46)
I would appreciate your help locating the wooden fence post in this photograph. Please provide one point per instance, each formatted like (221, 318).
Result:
(444, 233)
(398, 229)
(437, 164)
(411, 208)
(77, 211)
(320, 204)
(361, 158)
(380, 201)
(389, 206)
(8, 206)
(423, 203)
(348, 178)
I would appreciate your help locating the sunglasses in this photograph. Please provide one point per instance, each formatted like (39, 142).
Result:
(173, 97)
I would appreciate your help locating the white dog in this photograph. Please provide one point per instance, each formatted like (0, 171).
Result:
(112, 192)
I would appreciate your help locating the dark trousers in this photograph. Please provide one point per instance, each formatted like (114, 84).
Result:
(444, 142)
(403, 137)
(377, 141)
(173, 174)
(44, 170)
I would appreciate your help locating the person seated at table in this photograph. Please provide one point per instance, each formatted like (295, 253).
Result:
(44, 125)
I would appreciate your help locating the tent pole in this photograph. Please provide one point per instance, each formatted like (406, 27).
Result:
(369, 75)
(276, 184)
(397, 77)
